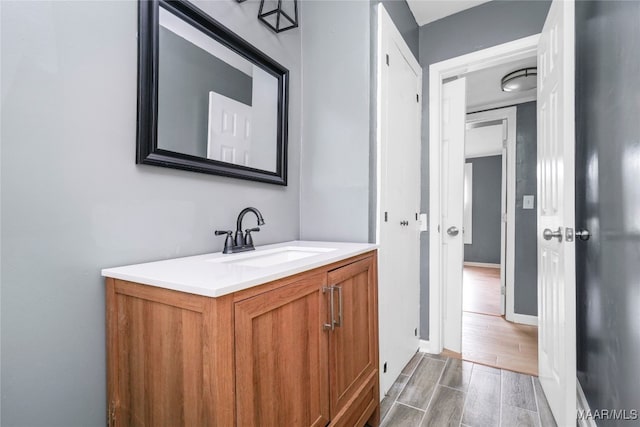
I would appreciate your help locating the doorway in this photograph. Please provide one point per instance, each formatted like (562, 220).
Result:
(495, 272)
(499, 226)
(555, 258)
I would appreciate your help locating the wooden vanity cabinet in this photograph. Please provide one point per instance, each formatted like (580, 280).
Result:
(299, 351)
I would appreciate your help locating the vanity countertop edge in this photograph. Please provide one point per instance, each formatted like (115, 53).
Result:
(215, 274)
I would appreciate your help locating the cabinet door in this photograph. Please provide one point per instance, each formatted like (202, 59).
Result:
(353, 355)
(155, 357)
(281, 356)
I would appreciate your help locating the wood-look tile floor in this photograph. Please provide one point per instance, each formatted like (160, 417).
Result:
(434, 390)
(491, 339)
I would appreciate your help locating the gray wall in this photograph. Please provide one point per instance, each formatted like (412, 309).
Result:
(186, 75)
(74, 201)
(334, 201)
(526, 246)
(483, 26)
(485, 216)
(608, 203)
(403, 19)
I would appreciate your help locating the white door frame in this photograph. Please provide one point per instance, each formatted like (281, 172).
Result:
(388, 30)
(508, 199)
(486, 58)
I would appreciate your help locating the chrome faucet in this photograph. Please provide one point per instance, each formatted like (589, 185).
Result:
(241, 242)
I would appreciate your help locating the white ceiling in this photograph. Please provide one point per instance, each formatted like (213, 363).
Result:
(426, 11)
(484, 91)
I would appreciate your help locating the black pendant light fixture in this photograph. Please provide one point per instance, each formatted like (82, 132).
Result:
(520, 80)
(277, 14)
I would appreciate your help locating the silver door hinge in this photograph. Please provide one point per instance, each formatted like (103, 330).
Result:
(387, 59)
(502, 290)
(417, 98)
(386, 217)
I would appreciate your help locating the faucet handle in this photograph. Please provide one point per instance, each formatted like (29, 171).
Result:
(248, 240)
(228, 242)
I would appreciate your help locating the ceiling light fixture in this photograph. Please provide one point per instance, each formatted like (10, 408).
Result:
(520, 80)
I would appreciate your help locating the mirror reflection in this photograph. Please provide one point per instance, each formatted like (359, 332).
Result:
(212, 102)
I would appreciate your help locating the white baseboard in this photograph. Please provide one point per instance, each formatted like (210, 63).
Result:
(583, 406)
(525, 319)
(481, 264)
(425, 347)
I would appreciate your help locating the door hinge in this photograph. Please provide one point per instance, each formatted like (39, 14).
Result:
(417, 98)
(415, 332)
(502, 290)
(387, 59)
(416, 216)
(386, 217)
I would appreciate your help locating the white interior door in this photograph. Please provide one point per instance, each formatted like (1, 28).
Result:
(399, 201)
(452, 150)
(229, 130)
(556, 213)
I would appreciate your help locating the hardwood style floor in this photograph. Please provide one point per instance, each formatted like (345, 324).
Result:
(490, 339)
(435, 391)
(481, 290)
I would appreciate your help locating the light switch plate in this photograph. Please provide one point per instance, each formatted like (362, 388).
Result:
(424, 226)
(527, 202)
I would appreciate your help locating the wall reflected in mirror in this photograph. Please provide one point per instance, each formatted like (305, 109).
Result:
(212, 102)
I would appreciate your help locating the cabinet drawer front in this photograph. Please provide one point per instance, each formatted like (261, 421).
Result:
(353, 345)
(281, 356)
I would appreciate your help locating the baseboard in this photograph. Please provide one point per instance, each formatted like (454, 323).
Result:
(583, 406)
(425, 347)
(481, 264)
(525, 319)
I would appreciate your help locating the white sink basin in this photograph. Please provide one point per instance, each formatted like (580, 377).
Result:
(269, 258)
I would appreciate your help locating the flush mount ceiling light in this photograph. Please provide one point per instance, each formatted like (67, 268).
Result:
(277, 14)
(520, 80)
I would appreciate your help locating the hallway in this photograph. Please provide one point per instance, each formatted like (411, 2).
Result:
(488, 338)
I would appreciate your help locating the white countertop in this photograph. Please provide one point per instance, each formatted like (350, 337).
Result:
(218, 274)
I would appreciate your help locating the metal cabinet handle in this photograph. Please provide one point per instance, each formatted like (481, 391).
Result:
(452, 231)
(583, 234)
(547, 234)
(331, 324)
(339, 322)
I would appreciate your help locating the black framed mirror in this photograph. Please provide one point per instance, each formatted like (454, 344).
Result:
(208, 101)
